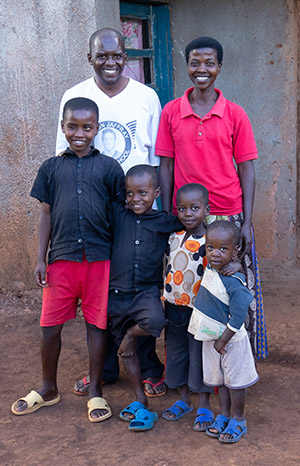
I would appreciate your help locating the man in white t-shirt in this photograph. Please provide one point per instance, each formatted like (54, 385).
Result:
(132, 111)
(128, 107)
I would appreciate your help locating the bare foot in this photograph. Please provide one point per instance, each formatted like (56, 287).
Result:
(203, 425)
(127, 346)
(153, 386)
(129, 415)
(170, 415)
(97, 413)
(131, 410)
(229, 436)
(203, 419)
(210, 428)
(177, 411)
(22, 405)
(98, 409)
(237, 431)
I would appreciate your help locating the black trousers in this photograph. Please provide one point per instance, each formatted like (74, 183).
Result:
(150, 364)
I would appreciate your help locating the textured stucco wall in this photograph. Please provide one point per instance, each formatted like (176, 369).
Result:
(43, 52)
(259, 73)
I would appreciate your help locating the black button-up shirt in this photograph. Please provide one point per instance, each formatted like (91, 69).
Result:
(80, 192)
(139, 244)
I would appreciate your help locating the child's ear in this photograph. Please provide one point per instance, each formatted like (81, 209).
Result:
(157, 192)
(207, 210)
(97, 128)
(62, 126)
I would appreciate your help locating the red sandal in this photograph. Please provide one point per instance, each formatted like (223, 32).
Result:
(154, 385)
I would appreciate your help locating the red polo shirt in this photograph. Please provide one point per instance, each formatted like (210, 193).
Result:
(204, 149)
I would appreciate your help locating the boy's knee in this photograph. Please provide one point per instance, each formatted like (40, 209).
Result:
(94, 328)
(51, 332)
(156, 323)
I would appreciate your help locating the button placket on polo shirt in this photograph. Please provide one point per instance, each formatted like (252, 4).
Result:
(200, 132)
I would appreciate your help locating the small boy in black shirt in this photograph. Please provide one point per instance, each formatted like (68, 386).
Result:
(76, 191)
(140, 239)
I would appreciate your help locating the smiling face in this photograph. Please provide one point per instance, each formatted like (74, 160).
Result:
(220, 248)
(203, 68)
(140, 193)
(192, 209)
(108, 58)
(80, 128)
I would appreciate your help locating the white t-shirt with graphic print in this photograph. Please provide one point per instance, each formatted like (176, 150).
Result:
(128, 122)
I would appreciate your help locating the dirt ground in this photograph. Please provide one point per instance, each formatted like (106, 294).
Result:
(62, 435)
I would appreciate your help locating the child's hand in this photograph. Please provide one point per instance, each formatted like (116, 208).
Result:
(221, 343)
(220, 347)
(40, 275)
(231, 268)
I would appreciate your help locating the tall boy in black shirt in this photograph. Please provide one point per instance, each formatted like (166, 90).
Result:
(76, 191)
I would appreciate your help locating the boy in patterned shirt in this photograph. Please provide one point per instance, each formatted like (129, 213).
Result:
(185, 267)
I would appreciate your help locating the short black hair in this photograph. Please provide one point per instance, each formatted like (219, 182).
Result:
(193, 187)
(80, 103)
(141, 170)
(106, 32)
(227, 226)
(204, 43)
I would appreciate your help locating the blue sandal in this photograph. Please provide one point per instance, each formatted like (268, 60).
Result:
(144, 420)
(179, 408)
(203, 415)
(219, 424)
(131, 409)
(235, 428)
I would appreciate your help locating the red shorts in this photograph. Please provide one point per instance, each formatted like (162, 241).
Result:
(68, 281)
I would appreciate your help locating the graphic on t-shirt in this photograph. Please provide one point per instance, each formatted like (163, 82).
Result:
(132, 127)
(115, 139)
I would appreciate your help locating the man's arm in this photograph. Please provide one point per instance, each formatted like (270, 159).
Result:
(246, 174)
(152, 125)
(44, 237)
(166, 181)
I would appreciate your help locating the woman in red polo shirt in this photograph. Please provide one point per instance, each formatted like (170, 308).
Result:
(205, 138)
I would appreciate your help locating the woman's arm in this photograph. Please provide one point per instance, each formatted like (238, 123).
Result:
(246, 174)
(166, 181)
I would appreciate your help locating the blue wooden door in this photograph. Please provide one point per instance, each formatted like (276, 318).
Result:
(146, 29)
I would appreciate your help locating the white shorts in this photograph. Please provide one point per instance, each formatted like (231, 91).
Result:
(234, 369)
